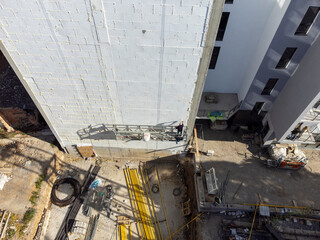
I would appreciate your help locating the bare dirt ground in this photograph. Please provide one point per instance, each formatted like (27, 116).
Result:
(28, 158)
(243, 162)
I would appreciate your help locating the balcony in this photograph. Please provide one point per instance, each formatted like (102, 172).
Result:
(313, 115)
(305, 138)
(225, 103)
(311, 136)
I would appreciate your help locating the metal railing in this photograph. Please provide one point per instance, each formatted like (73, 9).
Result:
(312, 115)
(131, 132)
(203, 114)
(305, 137)
(234, 110)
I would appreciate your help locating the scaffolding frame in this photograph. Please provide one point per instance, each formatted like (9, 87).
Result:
(132, 132)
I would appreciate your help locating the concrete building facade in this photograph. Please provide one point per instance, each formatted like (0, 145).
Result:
(264, 51)
(96, 67)
(111, 74)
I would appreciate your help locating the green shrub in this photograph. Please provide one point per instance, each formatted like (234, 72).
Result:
(34, 197)
(39, 181)
(29, 214)
(11, 233)
(21, 230)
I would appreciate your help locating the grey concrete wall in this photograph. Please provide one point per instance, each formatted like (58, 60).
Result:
(250, 29)
(283, 38)
(106, 62)
(299, 94)
(204, 63)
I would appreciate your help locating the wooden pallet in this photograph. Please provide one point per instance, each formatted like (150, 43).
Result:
(123, 220)
(86, 151)
(186, 210)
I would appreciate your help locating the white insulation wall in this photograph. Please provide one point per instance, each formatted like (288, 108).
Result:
(89, 62)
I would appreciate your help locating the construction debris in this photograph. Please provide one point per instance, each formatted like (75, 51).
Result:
(186, 209)
(123, 220)
(210, 153)
(86, 151)
(211, 181)
(5, 170)
(70, 198)
(40, 225)
(79, 227)
(66, 227)
(92, 227)
(286, 156)
(4, 223)
(5, 123)
(269, 227)
(3, 180)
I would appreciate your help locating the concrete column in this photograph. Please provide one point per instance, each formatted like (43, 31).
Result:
(213, 26)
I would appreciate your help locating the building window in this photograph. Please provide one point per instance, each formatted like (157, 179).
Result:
(257, 107)
(214, 57)
(307, 20)
(222, 26)
(317, 104)
(269, 86)
(265, 130)
(228, 2)
(286, 57)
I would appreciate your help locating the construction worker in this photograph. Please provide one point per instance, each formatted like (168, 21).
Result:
(179, 133)
(295, 132)
(179, 128)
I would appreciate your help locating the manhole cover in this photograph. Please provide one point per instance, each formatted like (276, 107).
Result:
(176, 192)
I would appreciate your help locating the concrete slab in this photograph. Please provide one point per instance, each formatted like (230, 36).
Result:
(226, 101)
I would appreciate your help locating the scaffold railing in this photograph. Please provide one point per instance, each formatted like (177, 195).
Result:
(131, 132)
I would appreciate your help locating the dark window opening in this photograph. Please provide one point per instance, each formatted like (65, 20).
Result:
(214, 57)
(222, 26)
(317, 104)
(257, 107)
(307, 20)
(269, 86)
(16, 106)
(228, 2)
(286, 57)
(265, 130)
